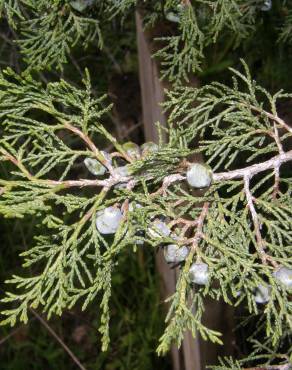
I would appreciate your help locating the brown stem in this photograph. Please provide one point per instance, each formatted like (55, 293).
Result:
(252, 170)
(168, 180)
(195, 242)
(277, 182)
(277, 168)
(84, 137)
(199, 232)
(7, 156)
(278, 139)
(271, 116)
(183, 221)
(260, 243)
(90, 144)
(275, 119)
(200, 223)
(107, 183)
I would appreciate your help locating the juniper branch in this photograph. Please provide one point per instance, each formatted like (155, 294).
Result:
(243, 210)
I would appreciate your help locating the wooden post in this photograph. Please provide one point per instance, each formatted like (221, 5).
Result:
(195, 354)
(152, 94)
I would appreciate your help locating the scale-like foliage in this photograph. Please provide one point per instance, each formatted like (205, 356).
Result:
(12, 10)
(50, 29)
(240, 226)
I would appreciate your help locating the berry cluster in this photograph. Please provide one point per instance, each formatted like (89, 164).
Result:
(132, 151)
(109, 219)
(197, 176)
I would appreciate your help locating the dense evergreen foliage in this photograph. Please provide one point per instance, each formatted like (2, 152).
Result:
(231, 236)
